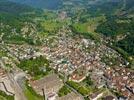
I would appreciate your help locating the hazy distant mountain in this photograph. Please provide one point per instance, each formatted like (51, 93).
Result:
(44, 4)
(13, 8)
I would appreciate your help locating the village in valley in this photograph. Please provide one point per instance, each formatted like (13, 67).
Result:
(60, 55)
(77, 70)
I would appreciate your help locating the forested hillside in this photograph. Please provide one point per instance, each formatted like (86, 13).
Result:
(13, 19)
(42, 4)
(13, 8)
(120, 26)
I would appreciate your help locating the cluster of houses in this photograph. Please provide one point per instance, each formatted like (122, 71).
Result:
(21, 51)
(122, 80)
(69, 55)
(77, 58)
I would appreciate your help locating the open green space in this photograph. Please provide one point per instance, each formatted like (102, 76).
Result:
(88, 81)
(31, 94)
(88, 26)
(51, 26)
(4, 96)
(18, 39)
(37, 67)
(2, 53)
(84, 90)
(64, 91)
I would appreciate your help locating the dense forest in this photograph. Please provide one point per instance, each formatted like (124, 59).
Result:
(116, 26)
(120, 26)
(127, 44)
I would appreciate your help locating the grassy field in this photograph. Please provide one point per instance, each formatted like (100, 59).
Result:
(2, 53)
(64, 91)
(2, 98)
(84, 90)
(51, 26)
(31, 94)
(88, 26)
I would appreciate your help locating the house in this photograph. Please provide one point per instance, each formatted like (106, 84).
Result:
(62, 15)
(109, 97)
(77, 78)
(97, 76)
(96, 95)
